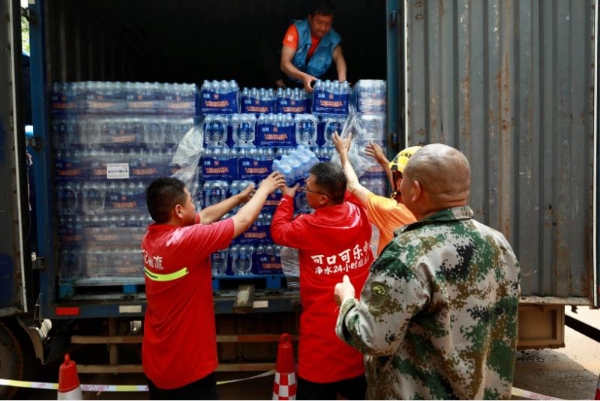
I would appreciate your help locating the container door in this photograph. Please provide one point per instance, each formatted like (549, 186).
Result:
(395, 75)
(596, 278)
(15, 259)
(512, 85)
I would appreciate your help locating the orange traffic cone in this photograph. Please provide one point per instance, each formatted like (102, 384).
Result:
(597, 397)
(284, 387)
(69, 387)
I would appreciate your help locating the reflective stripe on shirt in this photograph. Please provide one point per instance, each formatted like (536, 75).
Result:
(166, 277)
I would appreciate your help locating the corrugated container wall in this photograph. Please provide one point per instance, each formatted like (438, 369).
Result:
(510, 83)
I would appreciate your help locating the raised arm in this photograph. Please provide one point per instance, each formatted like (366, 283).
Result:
(244, 218)
(342, 145)
(287, 55)
(340, 63)
(375, 151)
(215, 212)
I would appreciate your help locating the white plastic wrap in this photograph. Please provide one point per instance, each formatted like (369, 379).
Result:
(360, 162)
(290, 264)
(187, 158)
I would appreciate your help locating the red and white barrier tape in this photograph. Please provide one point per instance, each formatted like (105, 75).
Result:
(101, 388)
(531, 395)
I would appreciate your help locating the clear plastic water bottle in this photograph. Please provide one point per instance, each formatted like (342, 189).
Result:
(373, 128)
(70, 264)
(244, 129)
(306, 129)
(68, 194)
(219, 262)
(234, 252)
(93, 196)
(378, 185)
(238, 186)
(216, 191)
(216, 130)
(244, 262)
(153, 132)
(285, 168)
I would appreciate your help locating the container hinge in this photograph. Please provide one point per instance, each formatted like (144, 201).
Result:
(34, 142)
(37, 262)
(393, 20)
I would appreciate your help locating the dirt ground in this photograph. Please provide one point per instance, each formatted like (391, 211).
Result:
(569, 373)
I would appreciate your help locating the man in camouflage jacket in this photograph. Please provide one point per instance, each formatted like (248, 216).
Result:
(437, 317)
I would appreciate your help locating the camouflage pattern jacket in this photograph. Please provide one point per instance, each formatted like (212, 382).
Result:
(437, 317)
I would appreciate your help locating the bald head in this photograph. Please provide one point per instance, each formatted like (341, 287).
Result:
(443, 173)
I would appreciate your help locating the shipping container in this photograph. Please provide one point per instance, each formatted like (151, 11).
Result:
(512, 84)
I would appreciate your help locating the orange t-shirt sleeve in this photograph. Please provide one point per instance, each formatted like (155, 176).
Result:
(291, 37)
(387, 215)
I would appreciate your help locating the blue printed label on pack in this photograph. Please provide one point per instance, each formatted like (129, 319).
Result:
(269, 134)
(291, 106)
(257, 106)
(218, 103)
(256, 235)
(251, 169)
(327, 103)
(222, 169)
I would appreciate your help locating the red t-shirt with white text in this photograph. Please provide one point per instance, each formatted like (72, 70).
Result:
(332, 242)
(179, 344)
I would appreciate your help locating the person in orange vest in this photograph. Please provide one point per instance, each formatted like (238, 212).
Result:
(179, 348)
(386, 213)
(311, 45)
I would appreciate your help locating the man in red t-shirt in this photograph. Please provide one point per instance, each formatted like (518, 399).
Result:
(179, 348)
(332, 242)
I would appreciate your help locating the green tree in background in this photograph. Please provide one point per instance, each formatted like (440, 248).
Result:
(25, 34)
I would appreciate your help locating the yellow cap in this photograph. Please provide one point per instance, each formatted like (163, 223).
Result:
(402, 158)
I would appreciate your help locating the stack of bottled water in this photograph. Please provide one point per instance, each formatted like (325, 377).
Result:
(258, 101)
(370, 107)
(288, 131)
(98, 98)
(331, 97)
(370, 96)
(110, 139)
(219, 97)
(292, 101)
(268, 259)
(275, 130)
(295, 165)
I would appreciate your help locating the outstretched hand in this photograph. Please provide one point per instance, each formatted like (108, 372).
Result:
(375, 151)
(308, 81)
(273, 181)
(245, 195)
(344, 290)
(289, 191)
(342, 145)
